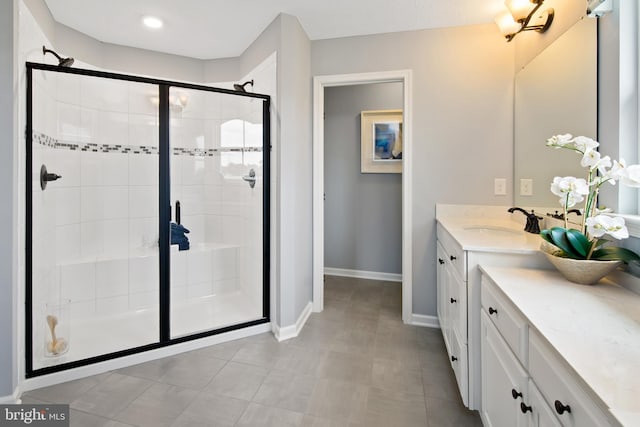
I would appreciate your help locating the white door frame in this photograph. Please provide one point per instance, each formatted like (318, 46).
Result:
(319, 83)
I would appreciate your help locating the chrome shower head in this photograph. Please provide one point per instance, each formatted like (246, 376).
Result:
(62, 62)
(240, 87)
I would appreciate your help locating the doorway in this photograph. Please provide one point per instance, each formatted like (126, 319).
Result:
(320, 83)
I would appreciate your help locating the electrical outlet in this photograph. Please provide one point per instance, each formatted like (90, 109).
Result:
(526, 187)
(500, 186)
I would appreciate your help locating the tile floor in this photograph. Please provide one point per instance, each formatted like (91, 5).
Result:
(354, 365)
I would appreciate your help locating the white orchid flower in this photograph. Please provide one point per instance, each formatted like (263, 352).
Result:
(600, 225)
(570, 190)
(592, 160)
(558, 141)
(618, 169)
(585, 144)
(631, 176)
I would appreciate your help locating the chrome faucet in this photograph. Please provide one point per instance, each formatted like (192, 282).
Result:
(532, 225)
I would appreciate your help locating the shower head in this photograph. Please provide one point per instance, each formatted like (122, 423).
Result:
(62, 62)
(240, 87)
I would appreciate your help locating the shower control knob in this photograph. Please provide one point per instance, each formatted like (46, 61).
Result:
(251, 178)
(45, 177)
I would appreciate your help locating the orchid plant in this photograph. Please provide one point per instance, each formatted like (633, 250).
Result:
(588, 242)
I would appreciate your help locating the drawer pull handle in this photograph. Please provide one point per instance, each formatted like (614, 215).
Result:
(515, 393)
(453, 358)
(440, 260)
(560, 408)
(453, 300)
(452, 258)
(492, 310)
(524, 408)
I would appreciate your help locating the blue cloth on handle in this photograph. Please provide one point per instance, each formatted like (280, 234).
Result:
(178, 236)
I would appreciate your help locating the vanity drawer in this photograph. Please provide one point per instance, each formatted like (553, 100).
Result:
(559, 389)
(458, 360)
(455, 255)
(511, 324)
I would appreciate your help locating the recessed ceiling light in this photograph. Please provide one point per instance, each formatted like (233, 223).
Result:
(152, 22)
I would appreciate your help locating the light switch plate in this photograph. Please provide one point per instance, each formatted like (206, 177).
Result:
(500, 186)
(526, 187)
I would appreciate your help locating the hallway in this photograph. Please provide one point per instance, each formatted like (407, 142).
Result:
(354, 364)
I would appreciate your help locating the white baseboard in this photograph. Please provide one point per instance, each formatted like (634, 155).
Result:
(292, 331)
(426, 321)
(11, 399)
(359, 274)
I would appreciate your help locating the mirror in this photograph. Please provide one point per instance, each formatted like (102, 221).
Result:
(555, 93)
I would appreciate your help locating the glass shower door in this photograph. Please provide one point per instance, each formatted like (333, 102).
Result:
(93, 212)
(217, 169)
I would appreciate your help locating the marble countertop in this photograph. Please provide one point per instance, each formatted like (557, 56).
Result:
(490, 234)
(596, 329)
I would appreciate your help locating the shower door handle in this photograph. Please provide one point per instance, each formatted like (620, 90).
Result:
(251, 178)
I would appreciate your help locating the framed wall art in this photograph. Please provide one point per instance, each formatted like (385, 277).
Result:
(381, 141)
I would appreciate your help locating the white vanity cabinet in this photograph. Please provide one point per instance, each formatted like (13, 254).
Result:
(452, 309)
(524, 381)
(458, 299)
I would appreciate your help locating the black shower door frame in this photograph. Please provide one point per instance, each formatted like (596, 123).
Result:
(164, 209)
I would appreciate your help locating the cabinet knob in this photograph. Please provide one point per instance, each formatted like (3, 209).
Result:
(560, 408)
(452, 258)
(524, 408)
(492, 310)
(440, 260)
(515, 393)
(453, 358)
(453, 300)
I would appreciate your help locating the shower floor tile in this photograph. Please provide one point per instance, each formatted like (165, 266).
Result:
(354, 364)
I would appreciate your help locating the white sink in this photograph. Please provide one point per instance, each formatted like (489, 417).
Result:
(492, 229)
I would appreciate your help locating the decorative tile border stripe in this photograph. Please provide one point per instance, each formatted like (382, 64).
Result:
(47, 141)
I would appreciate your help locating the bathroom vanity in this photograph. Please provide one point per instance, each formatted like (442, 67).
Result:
(555, 353)
(529, 348)
(467, 237)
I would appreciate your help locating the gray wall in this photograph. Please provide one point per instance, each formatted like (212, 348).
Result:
(362, 211)
(8, 194)
(463, 121)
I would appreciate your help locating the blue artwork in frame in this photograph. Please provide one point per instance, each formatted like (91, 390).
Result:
(381, 141)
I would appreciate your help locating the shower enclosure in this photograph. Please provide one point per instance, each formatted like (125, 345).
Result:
(147, 214)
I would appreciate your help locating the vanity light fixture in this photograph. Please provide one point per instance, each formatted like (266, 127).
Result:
(152, 22)
(518, 15)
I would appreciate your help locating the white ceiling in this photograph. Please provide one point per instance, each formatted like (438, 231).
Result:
(208, 29)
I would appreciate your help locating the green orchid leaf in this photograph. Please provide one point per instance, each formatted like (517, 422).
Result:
(613, 253)
(559, 237)
(546, 235)
(578, 241)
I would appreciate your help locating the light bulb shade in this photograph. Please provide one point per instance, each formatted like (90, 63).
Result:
(520, 9)
(506, 24)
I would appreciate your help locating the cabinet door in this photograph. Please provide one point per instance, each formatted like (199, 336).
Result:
(504, 381)
(457, 300)
(444, 310)
(542, 414)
